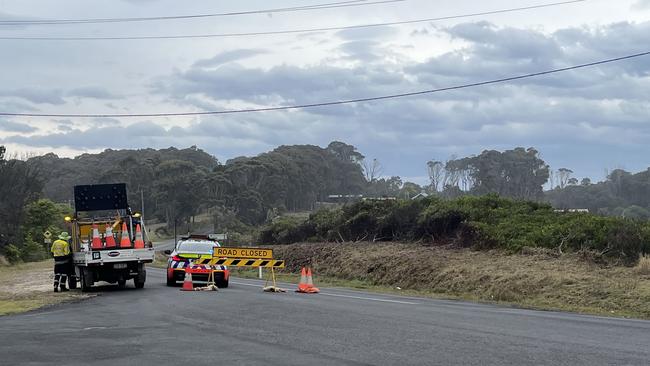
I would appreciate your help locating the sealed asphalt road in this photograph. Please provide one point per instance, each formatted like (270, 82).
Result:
(242, 325)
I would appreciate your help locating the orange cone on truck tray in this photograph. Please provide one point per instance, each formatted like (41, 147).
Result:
(110, 239)
(306, 284)
(139, 242)
(96, 242)
(125, 242)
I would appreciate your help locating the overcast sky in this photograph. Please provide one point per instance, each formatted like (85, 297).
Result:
(587, 120)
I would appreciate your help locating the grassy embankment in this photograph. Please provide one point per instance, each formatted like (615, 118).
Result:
(28, 286)
(534, 278)
(483, 248)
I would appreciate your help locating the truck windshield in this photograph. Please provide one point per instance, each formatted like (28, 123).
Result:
(195, 247)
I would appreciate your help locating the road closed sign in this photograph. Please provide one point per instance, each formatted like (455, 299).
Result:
(253, 253)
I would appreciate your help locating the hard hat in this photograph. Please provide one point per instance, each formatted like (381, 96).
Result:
(64, 236)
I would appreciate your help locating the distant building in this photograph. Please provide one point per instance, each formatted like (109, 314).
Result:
(420, 196)
(580, 210)
(379, 198)
(344, 196)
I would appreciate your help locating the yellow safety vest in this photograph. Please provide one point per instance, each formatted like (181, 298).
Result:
(60, 248)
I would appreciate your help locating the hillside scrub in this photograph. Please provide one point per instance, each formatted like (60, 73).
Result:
(485, 222)
(535, 278)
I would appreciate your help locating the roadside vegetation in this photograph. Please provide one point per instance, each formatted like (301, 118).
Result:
(487, 249)
(481, 223)
(25, 243)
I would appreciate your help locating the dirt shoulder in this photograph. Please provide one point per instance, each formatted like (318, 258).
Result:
(29, 286)
(537, 279)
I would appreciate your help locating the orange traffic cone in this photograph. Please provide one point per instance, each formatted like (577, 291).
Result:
(96, 242)
(306, 284)
(310, 283)
(125, 242)
(108, 236)
(302, 285)
(187, 283)
(139, 242)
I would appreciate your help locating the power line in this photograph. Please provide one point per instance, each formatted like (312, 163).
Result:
(337, 102)
(332, 5)
(306, 30)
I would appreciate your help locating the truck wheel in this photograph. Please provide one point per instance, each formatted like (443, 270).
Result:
(72, 282)
(86, 280)
(121, 283)
(140, 279)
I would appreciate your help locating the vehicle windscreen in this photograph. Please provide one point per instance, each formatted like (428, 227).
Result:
(195, 247)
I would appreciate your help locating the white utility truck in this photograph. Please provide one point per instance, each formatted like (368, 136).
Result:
(109, 241)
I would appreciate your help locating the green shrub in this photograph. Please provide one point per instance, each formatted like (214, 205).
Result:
(481, 222)
(12, 253)
(285, 230)
(32, 251)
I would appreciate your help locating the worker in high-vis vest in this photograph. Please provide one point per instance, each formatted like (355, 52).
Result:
(62, 261)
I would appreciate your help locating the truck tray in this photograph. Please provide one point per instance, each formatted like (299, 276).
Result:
(88, 258)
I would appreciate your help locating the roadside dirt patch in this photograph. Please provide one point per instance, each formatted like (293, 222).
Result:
(29, 286)
(535, 279)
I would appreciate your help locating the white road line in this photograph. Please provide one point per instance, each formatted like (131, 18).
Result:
(370, 298)
(347, 296)
(245, 284)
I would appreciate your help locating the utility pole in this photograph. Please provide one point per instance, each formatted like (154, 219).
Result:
(142, 202)
(175, 237)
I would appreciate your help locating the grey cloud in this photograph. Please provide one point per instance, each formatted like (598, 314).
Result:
(96, 92)
(36, 95)
(214, 136)
(229, 56)
(494, 53)
(355, 34)
(641, 5)
(281, 84)
(56, 96)
(603, 107)
(64, 128)
(363, 50)
(420, 32)
(10, 126)
(15, 106)
(120, 137)
(600, 110)
(105, 121)
(506, 43)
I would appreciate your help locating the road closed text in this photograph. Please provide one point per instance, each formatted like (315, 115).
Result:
(255, 253)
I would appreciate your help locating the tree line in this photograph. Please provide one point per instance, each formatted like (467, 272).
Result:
(621, 194)
(174, 185)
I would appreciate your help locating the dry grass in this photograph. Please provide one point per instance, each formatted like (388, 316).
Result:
(536, 280)
(159, 260)
(643, 267)
(28, 286)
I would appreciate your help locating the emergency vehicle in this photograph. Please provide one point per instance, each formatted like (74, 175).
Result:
(188, 249)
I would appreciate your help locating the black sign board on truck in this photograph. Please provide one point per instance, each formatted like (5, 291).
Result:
(98, 197)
